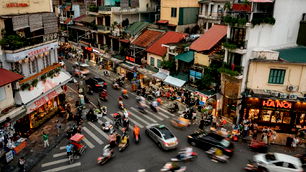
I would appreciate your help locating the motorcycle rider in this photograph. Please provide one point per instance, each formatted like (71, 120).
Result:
(186, 154)
(125, 113)
(107, 151)
(154, 105)
(125, 123)
(124, 93)
(69, 148)
(120, 102)
(112, 139)
(104, 94)
(104, 111)
(136, 131)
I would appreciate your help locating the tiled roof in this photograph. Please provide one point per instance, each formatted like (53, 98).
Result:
(7, 76)
(210, 38)
(136, 27)
(167, 38)
(293, 55)
(85, 18)
(147, 38)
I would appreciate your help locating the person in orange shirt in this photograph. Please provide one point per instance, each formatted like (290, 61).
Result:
(136, 131)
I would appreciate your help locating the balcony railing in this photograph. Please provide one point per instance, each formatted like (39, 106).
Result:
(214, 15)
(124, 10)
(231, 69)
(105, 8)
(103, 28)
(15, 42)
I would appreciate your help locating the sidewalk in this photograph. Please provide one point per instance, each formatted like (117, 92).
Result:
(35, 152)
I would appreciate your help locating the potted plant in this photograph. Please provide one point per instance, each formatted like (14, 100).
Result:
(34, 83)
(25, 86)
(43, 77)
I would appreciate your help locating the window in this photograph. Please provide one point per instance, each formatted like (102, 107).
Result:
(277, 76)
(2, 93)
(152, 61)
(29, 63)
(173, 12)
(158, 63)
(34, 66)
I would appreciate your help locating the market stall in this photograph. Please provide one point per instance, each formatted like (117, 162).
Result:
(174, 81)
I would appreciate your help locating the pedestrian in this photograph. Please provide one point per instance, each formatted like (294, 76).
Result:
(21, 164)
(264, 137)
(273, 136)
(58, 127)
(45, 138)
(289, 141)
(201, 126)
(295, 142)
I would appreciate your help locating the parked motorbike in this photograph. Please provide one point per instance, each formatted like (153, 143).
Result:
(216, 156)
(251, 166)
(258, 146)
(169, 166)
(181, 157)
(107, 154)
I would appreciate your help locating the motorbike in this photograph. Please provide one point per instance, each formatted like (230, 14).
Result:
(181, 157)
(116, 86)
(124, 142)
(219, 158)
(106, 126)
(258, 146)
(153, 108)
(169, 167)
(173, 109)
(121, 106)
(101, 160)
(91, 116)
(126, 96)
(136, 137)
(251, 166)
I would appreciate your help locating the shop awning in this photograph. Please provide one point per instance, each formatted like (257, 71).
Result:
(174, 81)
(160, 75)
(186, 57)
(42, 88)
(162, 21)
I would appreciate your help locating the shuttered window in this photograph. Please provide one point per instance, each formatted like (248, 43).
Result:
(277, 76)
(173, 12)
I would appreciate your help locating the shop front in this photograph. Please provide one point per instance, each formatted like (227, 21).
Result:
(281, 115)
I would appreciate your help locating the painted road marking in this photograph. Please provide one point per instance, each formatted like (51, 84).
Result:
(140, 119)
(64, 167)
(59, 154)
(88, 143)
(54, 162)
(166, 111)
(144, 115)
(98, 129)
(62, 147)
(93, 135)
(157, 113)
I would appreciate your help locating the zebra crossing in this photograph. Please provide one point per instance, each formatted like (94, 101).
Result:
(95, 136)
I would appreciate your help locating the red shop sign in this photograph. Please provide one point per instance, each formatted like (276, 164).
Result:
(10, 5)
(38, 51)
(88, 48)
(277, 103)
(130, 59)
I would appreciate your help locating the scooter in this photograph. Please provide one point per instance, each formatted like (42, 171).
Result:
(153, 108)
(251, 166)
(169, 167)
(258, 146)
(116, 86)
(173, 109)
(123, 146)
(106, 126)
(125, 96)
(181, 157)
(219, 158)
(104, 158)
(121, 106)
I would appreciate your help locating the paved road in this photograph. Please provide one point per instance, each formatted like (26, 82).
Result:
(145, 155)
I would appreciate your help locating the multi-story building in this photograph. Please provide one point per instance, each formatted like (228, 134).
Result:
(29, 47)
(276, 89)
(211, 12)
(178, 15)
(255, 25)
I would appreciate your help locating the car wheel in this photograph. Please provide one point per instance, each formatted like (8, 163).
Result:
(262, 169)
(193, 143)
(160, 146)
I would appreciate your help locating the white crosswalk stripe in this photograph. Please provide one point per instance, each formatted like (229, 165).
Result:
(88, 143)
(59, 154)
(62, 147)
(98, 129)
(144, 115)
(93, 135)
(156, 115)
(140, 119)
(165, 111)
(54, 162)
(63, 167)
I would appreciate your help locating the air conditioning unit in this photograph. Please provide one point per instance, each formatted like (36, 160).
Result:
(293, 96)
(283, 95)
(274, 94)
(292, 88)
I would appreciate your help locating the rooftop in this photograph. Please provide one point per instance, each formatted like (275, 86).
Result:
(147, 38)
(7, 77)
(293, 55)
(169, 37)
(210, 38)
(136, 27)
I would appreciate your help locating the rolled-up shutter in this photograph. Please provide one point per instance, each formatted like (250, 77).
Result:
(20, 22)
(50, 23)
(35, 22)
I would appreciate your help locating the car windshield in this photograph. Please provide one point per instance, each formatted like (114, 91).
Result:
(166, 133)
(225, 143)
(270, 157)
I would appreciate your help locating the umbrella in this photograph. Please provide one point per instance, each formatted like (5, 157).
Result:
(159, 100)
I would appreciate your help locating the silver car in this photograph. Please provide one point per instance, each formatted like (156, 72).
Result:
(162, 136)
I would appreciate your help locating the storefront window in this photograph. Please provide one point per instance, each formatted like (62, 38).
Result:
(287, 118)
(266, 115)
(277, 117)
(253, 114)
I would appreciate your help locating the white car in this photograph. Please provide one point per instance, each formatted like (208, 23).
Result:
(278, 162)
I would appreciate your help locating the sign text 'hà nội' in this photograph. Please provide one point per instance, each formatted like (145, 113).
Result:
(277, 104)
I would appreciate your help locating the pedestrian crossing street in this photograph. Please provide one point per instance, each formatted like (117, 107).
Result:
(95, 136)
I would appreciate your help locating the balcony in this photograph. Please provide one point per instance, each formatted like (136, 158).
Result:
(119, 10)
(105, 10)
(103, 29)
(212, 16)
(231, 69)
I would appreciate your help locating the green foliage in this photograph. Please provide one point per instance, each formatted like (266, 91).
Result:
(12, 42)
(266, 20)
(51, 73)
(34, 82)
(166, 64)
(57, 70)
(211, 75)
(25, 86)
(93, 8)
(229, 45)
(234, 21)
(228, 71)
(43, 77)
